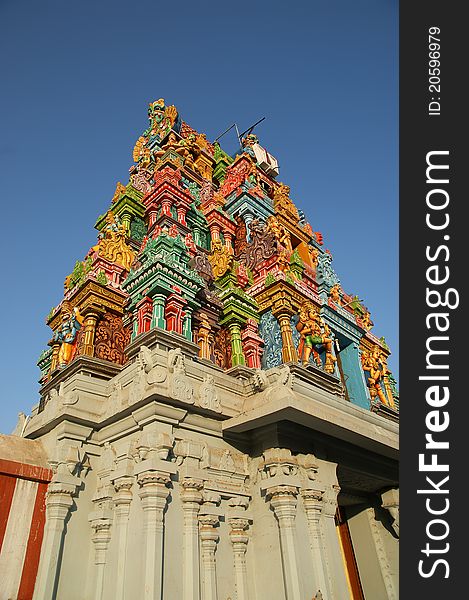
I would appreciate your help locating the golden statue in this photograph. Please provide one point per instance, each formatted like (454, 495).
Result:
(139, 148)
(112, 242)
(282, 193)
(366, 320)
(374, 363)
(313, 256)
(66, 334)
(334, 293)
(313, 331)
(220, 258)
(120, 189)
(283, 204)
(280, 232)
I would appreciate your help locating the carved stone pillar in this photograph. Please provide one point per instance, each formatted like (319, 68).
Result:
(153, 494)
(144, 314)
(191, 499)
(181, 214)
(59, 500)
(215, 231)
(283, 502)
(187, 324)
(252, 344)
(382, 556)
(126, 218)
(89, 330)
(174, 313)
(101, 538)
(203, 339)
(237, 356)
(312, 500)
(208, 543)
(55, 355)
(102, 516)
(338, 585)
(289, 353)
(122, 501)
(157, 319)
(239, 542)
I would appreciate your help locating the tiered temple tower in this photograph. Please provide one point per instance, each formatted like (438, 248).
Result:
(216, 418)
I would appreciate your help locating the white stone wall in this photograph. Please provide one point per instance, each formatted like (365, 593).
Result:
(150, 500)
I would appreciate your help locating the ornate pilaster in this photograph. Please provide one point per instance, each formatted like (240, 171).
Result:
(334, 562)
(59, 501)
(102, 516)
(122, 501)
(283, 502)
(187, 324)
(208, 544)
(153, 473)
(382, 556)
(191, 498)
(237, 356)
(55, 355)
(158, 319)
(239, 541)
(101, 538)
(312, 501)
(153, 494)
(101, 521)
(89, 327)
(204, 338)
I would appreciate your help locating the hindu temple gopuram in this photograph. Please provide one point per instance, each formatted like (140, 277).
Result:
(216, 420)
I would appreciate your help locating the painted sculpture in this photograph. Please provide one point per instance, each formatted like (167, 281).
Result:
(314, 332)
(213, 249)
(66, 334)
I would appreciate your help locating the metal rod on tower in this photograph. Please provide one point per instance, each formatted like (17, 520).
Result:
(222, 134)
(249, 129)
(239, 138)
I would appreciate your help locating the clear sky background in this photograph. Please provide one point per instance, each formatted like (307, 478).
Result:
(77, 77)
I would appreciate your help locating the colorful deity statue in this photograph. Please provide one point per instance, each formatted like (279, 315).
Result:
(334, 294)
(162, 118)
(248, 143)
(313, 333)
(141, 153)
(66, 334)
(313, 256)
(374, 364)
(190, 150)
(280, 232)
(283, 204)
(366, 320)
(240, 241)
(112, 242)
(220, 258)
(120, 189)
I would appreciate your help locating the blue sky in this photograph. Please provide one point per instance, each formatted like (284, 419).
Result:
(76, 82)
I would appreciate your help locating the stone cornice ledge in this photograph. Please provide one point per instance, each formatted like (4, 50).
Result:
(323, 413)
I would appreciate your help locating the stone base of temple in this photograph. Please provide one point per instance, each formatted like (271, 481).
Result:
(173, 479)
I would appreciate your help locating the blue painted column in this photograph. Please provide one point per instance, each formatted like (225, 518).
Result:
(355, 378)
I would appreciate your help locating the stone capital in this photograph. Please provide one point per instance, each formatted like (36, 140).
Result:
(124, 483)
(191, 490)
(151, 477)
(312, 495)
(238, 524)
(330, 501)
(282, 492)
